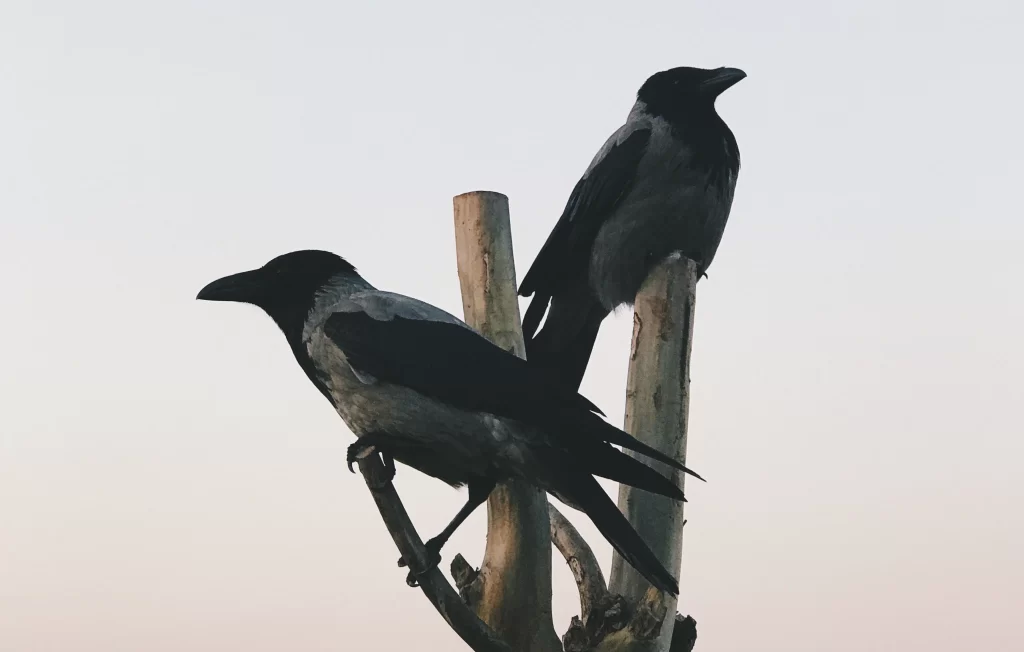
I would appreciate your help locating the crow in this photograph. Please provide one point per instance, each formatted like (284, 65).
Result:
(417, 385)
(662, 183)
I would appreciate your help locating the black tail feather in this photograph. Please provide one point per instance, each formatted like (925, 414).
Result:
(563, 346)
(609, 433)
(611, 463)
(584, 493)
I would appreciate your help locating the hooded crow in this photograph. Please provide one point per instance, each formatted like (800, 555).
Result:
(662, 183)
(417, 385)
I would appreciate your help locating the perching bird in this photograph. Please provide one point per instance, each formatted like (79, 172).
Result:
(662, 183)
(419, 386)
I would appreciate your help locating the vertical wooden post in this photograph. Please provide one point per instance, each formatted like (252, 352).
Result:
(657, 407)
(514, 597)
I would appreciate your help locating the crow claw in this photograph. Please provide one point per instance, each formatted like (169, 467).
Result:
(363, 448)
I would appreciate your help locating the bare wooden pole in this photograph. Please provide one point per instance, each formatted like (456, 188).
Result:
(657, 407)
(512, 593)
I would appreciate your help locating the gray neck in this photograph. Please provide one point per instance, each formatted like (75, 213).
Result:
(638, 111)
(339, 287)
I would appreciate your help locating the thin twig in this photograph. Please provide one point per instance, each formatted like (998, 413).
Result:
(459, 616)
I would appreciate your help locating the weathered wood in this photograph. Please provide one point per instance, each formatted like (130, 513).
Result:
(601, 613)
(512, 592)
(581, 561)
(487, 271)
(657, 406)
(459, 616)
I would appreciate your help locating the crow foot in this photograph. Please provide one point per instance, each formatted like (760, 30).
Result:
(433, 548)
(364, 447)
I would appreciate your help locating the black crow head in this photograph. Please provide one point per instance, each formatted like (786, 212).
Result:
(285, 288)
(681, 92)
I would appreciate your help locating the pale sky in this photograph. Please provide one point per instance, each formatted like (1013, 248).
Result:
(169, 479)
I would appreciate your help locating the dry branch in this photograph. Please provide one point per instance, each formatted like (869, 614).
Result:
(581, 561)
(601, 613)
(460, 617)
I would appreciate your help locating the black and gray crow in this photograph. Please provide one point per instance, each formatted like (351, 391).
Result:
(419, 386)
(662, 183)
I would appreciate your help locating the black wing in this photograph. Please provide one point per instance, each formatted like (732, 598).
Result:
(457, 366)
(567, 250)
(450, 363)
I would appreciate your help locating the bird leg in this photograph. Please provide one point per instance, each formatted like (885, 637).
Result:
(369, 444)
(479, 490)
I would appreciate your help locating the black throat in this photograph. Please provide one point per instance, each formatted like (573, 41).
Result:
(290, 316)
(291, 303)
(290, 313)
(701, 130)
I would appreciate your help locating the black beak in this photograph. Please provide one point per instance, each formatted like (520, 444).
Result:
(244, 287)
(721, 79)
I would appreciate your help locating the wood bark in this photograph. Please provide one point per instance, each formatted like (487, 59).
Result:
(512, 591)
(657, 407)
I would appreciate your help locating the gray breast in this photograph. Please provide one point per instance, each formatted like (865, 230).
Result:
(671, 207)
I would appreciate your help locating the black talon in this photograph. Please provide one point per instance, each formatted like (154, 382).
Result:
(368, 443)
(357, 449)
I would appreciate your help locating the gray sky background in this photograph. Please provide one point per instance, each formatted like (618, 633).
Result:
(170, 481)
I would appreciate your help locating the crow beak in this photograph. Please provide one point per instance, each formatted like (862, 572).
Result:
(243, 287)
(722, 79)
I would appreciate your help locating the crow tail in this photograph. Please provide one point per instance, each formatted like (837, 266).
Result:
(582, 492)
(563, 346)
